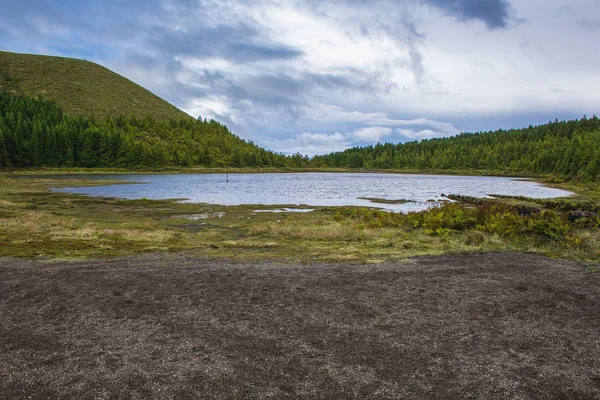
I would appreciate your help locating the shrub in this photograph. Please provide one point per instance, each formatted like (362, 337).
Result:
(451, 216)
(549, 224)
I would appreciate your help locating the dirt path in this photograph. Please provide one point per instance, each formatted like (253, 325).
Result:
(492, 326)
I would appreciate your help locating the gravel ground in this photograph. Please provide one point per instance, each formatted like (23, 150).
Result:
(491, 326)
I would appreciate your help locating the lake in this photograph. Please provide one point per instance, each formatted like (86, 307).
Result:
(313, 189)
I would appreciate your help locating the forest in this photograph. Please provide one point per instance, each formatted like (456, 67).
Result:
(36, 133)
(566, 150)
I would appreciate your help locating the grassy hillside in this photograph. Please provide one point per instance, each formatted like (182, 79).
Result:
(80, 87)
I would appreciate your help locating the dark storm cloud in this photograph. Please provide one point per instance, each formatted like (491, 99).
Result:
(494, 13)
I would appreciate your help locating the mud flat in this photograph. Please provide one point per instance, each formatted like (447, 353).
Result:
(494, 326)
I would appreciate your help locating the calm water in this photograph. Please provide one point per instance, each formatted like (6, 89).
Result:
(314, 189)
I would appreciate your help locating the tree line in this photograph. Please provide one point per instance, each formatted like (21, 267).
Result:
(36, 133)
(565, 149)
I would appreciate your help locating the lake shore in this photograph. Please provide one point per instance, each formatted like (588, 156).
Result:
(38, 222)
(495, 326)
(234, 170)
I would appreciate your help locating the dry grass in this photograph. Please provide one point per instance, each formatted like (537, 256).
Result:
(7, 204)
(296, 229)
(158, 235)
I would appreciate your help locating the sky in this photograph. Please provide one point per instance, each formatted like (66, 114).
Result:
(317, 76)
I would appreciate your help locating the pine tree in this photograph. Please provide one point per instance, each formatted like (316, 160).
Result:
(89, 156)
(50, 156)
(4, 159)
(123, 155)
(34, 146)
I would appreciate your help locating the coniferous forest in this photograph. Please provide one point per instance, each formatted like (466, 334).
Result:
(36, 133)
(568, 150)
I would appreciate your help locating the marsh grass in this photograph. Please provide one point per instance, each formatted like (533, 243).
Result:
(36, 222)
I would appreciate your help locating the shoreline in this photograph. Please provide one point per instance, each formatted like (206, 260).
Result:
(37, 222)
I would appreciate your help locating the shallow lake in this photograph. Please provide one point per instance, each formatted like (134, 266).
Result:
(313, 189)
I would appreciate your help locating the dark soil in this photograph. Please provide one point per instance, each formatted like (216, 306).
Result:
(485, 326)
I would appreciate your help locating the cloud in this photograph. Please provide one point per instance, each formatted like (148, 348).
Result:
(372, 133)
(308, 143)
(322, 143)
(239, 43)
(324, 112)
(494, 14)
(589, 25)
(412, 134)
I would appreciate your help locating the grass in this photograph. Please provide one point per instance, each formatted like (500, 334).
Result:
(385, 201)
(80, 87)
(36, 222)
(583, 192)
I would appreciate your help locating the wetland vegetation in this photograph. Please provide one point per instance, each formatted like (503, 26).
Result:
(36, 222)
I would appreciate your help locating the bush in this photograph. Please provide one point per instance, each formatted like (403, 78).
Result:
(490, 217)
(454, 217)
(549, 224)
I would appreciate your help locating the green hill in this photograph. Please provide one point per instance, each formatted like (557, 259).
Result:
(62, 112)
(36, 133)
(80, 87)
